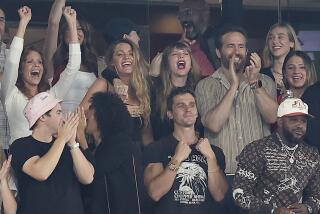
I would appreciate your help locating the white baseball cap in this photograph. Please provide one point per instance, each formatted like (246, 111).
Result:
(292, 107)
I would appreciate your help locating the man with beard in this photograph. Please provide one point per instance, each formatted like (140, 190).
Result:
(184, 173)
(280, 173)
(237, 104)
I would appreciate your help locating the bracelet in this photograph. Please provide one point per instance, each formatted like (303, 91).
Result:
(256, 84)
(214, 171)
(74, 146)
(173, 165)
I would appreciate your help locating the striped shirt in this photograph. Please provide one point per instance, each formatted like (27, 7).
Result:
(245, 123)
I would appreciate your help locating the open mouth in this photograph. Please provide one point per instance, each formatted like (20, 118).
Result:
(35, 73)
(181, 64)
(297, 77)
(126, 64)
(276, 47)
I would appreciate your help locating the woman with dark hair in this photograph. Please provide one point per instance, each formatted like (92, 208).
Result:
(56, 55)
(116, 188)
(177, 69)
(25, 74)
(298, 72)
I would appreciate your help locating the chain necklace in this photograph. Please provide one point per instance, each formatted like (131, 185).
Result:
(289, 151)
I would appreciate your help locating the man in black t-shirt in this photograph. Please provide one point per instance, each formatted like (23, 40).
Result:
(184, 174)
(48, 173)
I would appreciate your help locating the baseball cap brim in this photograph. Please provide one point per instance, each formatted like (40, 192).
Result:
(298, 114)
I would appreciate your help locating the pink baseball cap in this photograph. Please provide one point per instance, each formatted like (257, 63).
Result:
(293, 107)
(38, 106)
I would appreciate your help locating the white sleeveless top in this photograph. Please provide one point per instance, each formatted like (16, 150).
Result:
(77, 91)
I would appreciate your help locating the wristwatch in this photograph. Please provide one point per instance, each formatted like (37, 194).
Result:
(173, 165)
(256, 84)
(74, 146)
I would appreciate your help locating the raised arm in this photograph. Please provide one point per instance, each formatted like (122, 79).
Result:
(81, 166)
(217, 182)
(264, 94)
(12, 61)
(215, 118)
(99, 85)
(40, 168)
(68, 75)
(51, 39)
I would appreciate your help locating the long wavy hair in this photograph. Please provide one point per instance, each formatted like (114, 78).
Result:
(43, 85)
(166, 85)
(139, 80)
(309, 67)
(88, 57)
(267, 57)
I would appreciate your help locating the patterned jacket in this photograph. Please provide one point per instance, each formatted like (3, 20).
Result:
(271, 174)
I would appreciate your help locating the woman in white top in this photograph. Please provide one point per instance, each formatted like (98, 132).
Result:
(25, 78)
(56, 55)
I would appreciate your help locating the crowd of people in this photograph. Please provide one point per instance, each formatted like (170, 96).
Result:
(206, 128)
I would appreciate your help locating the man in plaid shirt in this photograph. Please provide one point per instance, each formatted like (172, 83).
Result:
(280, 173)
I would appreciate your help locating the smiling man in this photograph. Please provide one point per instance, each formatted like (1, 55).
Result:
(280, 173)
(184, 174)
(237, 104)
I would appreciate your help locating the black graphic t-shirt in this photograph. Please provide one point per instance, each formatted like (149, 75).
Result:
(189, 192)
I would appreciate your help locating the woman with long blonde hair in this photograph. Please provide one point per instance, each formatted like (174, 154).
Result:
(280, 40)
(126, 76)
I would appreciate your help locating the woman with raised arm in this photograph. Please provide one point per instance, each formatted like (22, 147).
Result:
(25, 73)
(56, 55)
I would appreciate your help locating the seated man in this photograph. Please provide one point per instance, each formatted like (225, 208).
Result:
(280, 173)
(49, 172)
(184, 173)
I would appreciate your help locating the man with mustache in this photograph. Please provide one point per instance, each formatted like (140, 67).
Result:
(237, 104)
(280, 173)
